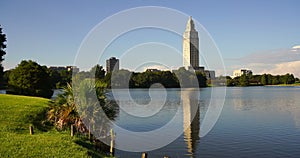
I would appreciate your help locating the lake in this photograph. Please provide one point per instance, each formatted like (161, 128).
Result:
(254, 122)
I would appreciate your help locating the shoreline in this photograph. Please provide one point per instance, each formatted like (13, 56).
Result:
(285, 85)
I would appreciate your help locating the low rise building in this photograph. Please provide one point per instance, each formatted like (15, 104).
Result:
(240, 72)
(210, 74)
(153, 70)
(65, 68)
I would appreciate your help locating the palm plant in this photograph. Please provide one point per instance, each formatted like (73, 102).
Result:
(92, 107)
(63, 111)
(85, 106)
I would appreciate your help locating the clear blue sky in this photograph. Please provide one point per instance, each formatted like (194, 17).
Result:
(50, 32)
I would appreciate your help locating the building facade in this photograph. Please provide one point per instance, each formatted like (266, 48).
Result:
(112, 64)
(210, 74)
(73, 69)
(190, 46)
(240, 72)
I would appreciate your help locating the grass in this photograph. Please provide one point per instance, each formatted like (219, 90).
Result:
(17, 113)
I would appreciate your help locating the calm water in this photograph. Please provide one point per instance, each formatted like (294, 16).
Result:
(255, 122)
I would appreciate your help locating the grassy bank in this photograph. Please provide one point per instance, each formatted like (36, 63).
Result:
(17, 113)
(295, 84)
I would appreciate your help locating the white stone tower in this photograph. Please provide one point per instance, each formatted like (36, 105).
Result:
(190, 46)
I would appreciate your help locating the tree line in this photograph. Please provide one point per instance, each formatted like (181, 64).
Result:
(30, 78)
(261, 80)
(180, 78)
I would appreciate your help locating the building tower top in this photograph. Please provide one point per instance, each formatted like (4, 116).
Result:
(190, 26)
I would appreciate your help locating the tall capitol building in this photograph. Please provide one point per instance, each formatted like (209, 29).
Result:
(190, 46)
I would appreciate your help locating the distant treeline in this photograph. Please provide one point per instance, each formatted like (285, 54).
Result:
(127, 79)
(30, 78)
(260, 80)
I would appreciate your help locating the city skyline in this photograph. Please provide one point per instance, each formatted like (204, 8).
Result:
(256, 35)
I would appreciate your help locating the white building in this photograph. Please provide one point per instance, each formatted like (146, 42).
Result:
(190, 50)
(190, 46)
(240, 72)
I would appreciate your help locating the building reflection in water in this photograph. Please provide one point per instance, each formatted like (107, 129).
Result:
(191, 119)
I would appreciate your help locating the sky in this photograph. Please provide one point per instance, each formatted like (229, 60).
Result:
(258, 35)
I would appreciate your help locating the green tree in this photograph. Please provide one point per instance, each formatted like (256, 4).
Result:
(288, 79)
(6, 77)
(229, 81)
(244, 80)
(202, 81)
(30, 78)
(269, 79)
(255, 79)
(107, 80)
(2, 53)
(120, 79)
(275, 80)
(264, 79)
(98, 72)
(187, 79)
(56, 80)
(66, 77)
(168, 79)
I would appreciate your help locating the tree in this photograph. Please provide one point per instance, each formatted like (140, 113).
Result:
(186, 78)
(244, 80)
(288, 79)
(2, 53)
(263, 80)
(98, 72)
(168, 79)
(201, 79)
(255, 79)
(275, 80)
(269, 79)
(55, 78)
(30, 78)
(6, 77)
(65, 76)
(120, 79)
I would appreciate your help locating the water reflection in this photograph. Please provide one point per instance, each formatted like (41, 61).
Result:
(255, 122)
(2, 91)
(191, 119)
(268, 98)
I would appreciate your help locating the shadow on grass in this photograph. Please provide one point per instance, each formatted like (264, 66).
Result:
(95, 149)
(39, 120)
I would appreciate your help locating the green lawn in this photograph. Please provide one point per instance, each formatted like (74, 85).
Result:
(17, 113)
